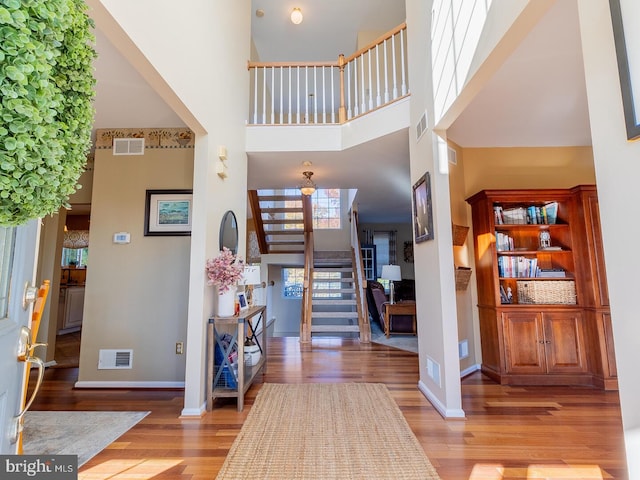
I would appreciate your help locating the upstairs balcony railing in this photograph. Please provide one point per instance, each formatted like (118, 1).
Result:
(295, 93)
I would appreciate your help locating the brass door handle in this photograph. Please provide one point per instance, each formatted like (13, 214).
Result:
(25, 354)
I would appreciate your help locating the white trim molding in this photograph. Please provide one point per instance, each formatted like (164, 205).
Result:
(438, 405)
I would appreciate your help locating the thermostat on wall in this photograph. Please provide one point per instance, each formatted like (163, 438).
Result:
(122, 237)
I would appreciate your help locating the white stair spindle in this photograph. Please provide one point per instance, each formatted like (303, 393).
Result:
(356, 109)
(402, 58)
(273, 73)
(386, 73)
(264, 95)
(281, 93)
(324, 97)
(393, 63)
(348, 87)
(363, 91)
(378, 97)
(315, 95)
(333, 103)
(306, 94)
(290, 119)
(298, 96)
(255, 96)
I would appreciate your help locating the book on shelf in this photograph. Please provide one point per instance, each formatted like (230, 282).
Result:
(503, 242)
(517, 267)
(514, 216)
(497, 213)
(551, 273)
(551, 212)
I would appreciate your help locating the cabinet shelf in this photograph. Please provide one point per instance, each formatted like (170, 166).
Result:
(229, 374)
(518, 253)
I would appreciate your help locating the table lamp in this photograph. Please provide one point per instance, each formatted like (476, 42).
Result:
(250, 277)
(391, 273)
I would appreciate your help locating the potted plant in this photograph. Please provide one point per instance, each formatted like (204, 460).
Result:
(225, 271)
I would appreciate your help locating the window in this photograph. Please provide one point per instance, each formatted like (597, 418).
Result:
(385, 243)
(292, 281)
(74, 257)
(326, 208)
(7, 242)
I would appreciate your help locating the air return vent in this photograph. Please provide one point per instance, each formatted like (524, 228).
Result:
(115, 359)
(128, 146)
(422, 126)
(453, 156)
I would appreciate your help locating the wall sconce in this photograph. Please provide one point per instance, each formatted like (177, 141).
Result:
(296, 16)
(308, 187)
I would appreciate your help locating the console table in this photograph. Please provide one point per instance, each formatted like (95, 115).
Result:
(228, 375)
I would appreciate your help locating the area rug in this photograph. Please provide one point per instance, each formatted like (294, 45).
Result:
(326, 431)
(75, 433)
(401, 341)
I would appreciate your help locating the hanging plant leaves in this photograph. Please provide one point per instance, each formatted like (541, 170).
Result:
(46, 110)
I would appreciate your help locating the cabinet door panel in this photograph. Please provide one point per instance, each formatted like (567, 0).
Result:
(523, 340)
(564, 342)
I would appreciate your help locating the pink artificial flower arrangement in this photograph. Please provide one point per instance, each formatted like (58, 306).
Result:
(225, 270)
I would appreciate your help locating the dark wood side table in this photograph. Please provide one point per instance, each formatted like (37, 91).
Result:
(399, 308)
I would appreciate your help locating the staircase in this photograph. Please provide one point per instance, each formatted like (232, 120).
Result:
(280, 223)
(333, 295)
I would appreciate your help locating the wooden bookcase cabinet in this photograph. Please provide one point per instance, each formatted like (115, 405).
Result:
(544, 343)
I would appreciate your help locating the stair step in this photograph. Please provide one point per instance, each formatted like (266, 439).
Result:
(286, 251)
(332, 280)
(282, 221)
(282, 210)
(332, 301)
(283, 242)
(333, 269)
(334, 328)
(290, 231)
(344, 315)
(333, 290)
(279, 198)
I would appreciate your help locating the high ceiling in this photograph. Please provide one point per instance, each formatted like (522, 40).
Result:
(537, 98)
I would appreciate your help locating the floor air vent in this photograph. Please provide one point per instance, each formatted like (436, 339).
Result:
(115, 359)
(128, 146)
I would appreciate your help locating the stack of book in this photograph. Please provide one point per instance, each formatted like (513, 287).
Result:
(546, 214)
(503, 242)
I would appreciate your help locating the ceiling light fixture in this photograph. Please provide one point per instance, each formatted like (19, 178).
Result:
(296, 16)
(308, 187)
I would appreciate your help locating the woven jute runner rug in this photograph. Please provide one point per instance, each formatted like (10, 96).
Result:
(326, 431)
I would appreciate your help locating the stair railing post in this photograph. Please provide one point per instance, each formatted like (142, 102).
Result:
(342, 111)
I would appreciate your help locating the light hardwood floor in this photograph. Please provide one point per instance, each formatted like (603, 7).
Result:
(509, 433)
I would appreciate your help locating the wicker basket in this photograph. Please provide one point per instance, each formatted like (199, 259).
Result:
(546, 292)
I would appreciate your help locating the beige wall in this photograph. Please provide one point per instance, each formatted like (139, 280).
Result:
(136, 294)
(544, 167)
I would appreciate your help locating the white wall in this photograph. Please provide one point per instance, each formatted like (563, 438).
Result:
(434, 272)
(617, 173)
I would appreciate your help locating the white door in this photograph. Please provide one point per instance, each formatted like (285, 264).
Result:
(18, 247)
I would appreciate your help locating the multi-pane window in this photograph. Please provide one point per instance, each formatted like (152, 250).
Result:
(293, 282)
(326, 208)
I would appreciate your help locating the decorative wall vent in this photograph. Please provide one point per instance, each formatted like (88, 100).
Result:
(115, 359)
(422, 125)
(128, 146)
(453, 156)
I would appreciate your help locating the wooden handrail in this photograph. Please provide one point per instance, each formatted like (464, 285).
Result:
(254, 202)
(251, 65)
(360, 282)
(307, 306)
(377, 41)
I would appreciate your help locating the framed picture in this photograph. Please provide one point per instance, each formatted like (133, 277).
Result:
(423, 218)
(627, 41)
(242, 301)
(168, 212)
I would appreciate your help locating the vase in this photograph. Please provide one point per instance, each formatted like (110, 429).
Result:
(227, 302)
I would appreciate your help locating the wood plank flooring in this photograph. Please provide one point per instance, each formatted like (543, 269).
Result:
(509, 433)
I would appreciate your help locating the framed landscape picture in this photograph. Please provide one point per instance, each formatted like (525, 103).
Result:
(423, 218)
(168, 212)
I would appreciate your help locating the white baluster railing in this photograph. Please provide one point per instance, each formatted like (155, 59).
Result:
(297, 93)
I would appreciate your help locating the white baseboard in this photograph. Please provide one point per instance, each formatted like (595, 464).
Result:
(91, 384)
(469, 370)
(194, 412)
(438, 405)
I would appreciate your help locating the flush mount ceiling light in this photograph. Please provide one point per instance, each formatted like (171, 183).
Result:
(296, 16)
(308, 187)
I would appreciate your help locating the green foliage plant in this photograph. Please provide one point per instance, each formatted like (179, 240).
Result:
(46, 104)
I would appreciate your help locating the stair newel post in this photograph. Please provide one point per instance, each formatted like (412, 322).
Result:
(342, 111)
(305, 321)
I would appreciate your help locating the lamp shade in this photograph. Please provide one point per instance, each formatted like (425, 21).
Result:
(251, 275)
(391, 272)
